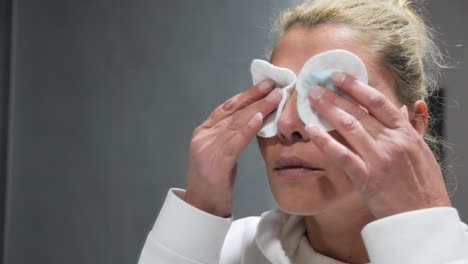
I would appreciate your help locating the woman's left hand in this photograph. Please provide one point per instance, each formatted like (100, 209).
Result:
(387, 160)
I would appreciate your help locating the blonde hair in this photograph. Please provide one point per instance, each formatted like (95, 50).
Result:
(394, 30)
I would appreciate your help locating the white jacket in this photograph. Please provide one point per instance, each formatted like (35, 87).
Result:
(183, 234)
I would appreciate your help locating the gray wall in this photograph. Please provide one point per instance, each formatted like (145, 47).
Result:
(106, 94)
(450, 21)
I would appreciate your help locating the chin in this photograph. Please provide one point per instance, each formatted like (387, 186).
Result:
(300, 210)
(301, 199)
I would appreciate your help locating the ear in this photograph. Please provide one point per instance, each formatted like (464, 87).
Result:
(419, 116)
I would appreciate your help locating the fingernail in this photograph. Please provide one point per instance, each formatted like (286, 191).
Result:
(404, 111)
(273, 96)
(255, 120)
(265, 85)
(316, 92)
(338, 77)
(312, 129)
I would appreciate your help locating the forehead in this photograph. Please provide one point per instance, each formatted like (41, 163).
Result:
(300, 43)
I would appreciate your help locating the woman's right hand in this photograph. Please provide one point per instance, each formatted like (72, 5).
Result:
(217, 143)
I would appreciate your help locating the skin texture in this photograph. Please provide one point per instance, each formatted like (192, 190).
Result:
(375, 164)
(217, 143)
(325, 187)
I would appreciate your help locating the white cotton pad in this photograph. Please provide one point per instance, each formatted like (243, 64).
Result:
(317, 71)
(284, 79)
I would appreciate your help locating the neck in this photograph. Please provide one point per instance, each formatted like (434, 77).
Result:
(336, 232)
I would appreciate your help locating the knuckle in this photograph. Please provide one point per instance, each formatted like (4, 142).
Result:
(235, 122)
(349, 124)
(248, 97)
(358, 113)
(386, 162)
(378, 101)
(196, 146)
(200, 142)
(228, 106)
(197, 131)
(273, 98)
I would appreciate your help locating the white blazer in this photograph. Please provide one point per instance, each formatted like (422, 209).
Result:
(184, 234)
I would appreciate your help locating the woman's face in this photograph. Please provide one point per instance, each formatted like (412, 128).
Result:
(302, 180)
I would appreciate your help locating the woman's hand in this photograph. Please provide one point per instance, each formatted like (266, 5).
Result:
(217, 143)
(387, 160)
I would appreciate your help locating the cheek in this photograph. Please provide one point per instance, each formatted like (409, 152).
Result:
(265, 145)
(312, 196)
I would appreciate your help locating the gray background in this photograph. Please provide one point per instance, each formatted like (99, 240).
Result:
(105, 96)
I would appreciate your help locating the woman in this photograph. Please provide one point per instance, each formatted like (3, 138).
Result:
(369, 191)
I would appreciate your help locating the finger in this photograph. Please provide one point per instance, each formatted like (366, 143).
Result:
(239, 101)
(238, 129)
(326, 103)
(370, 98)
(358, 112)
(238, 120)
(340, 155)
(237, 142)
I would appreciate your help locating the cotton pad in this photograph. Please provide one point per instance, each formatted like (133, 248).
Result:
(316, 71)
(284, 79)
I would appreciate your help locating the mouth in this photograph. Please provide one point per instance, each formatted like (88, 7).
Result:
(293, 166)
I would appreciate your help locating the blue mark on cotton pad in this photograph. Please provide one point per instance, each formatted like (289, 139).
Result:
(322, 78)
(305, 83)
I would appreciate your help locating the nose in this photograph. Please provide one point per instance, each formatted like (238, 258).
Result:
(291, 129)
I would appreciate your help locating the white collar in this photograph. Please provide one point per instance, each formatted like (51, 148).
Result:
(280, 237)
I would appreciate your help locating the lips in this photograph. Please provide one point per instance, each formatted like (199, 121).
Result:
(294, 163)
